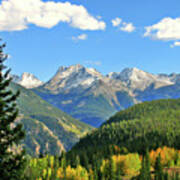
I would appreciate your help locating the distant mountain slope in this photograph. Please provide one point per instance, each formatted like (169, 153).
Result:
(144, 126)
(136, 79)
(166, 92)
(92, 97)
(85, 94)
(48, 129)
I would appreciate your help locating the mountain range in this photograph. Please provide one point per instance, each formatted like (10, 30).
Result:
(87, 95)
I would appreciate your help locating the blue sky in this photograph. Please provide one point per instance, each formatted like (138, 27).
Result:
(84, 34)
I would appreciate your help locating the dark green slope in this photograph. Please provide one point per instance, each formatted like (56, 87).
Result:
(93, 111)
(85, 105)
(48, 129)
(147, 125)
(146, 109)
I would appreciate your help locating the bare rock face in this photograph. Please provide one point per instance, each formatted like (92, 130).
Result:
(140, 80)
(92, 97)
(67, 78)
(73, 76)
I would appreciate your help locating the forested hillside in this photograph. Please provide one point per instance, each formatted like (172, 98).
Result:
(48, 129)
(146, 109)
(140, 143)
(161, 164)
(149, 125)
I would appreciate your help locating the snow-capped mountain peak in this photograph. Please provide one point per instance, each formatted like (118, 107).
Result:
(73, 76)
(27, 80)
(128, 74)
(94, 72)
(113, 75)
(135, 78)
(78, 76)
(134, 74)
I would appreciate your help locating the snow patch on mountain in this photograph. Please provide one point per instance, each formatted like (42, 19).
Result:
(72, 77)
(138, 79)
(113, 75)
(27, 80)
(76, 76)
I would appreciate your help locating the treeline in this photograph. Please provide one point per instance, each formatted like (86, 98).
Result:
(128, 146)
(162, 129)
(149, 125)
(145, 109)
(132, 145)
(145, 126)
(153, 165)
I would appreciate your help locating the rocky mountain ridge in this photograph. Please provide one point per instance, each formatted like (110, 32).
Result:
(92, 97)
(72, 77)
(78, 75)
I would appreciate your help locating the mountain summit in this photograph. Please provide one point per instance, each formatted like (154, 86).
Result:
(72, 77)
(27, 80)
(92, 97)
(137, 79)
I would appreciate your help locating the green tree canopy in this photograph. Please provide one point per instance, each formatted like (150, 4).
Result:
(12, 155)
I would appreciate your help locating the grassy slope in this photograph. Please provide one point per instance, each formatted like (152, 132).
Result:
(87, 107)
(47, 128)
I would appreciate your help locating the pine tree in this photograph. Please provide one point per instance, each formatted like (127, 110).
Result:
(177, 176)
(142, 175)
(158, 169)
(148, 165)
(12, 156)
(95, 173)
(145, 173)
(84, 160)
(112, 169)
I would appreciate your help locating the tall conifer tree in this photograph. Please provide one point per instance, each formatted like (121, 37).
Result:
(145, 173)
(112, 169)
(12, 156)
(148, 165)
(159, 175)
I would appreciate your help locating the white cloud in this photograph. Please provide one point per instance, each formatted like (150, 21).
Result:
(127, 27)
(167, 29)
(80, 37)
(123, 26)
(177, 43)
(96, 63)
(16, 15)
(116, 22)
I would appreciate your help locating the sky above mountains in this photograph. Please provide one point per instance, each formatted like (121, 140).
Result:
(107, 35)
